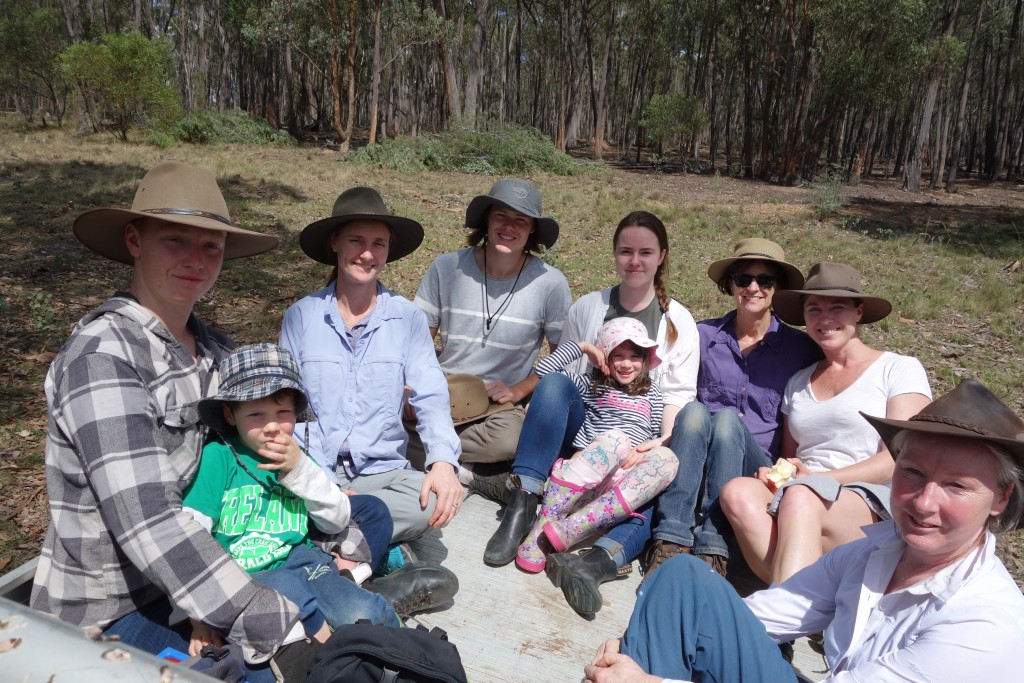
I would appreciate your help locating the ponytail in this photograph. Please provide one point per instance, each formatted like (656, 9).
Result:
(671, 334)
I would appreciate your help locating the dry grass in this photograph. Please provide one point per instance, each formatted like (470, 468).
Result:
(940, 259)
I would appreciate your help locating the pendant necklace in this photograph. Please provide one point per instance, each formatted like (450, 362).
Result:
(488, 318)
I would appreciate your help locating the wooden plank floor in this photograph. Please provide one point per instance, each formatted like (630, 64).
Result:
(512, 626)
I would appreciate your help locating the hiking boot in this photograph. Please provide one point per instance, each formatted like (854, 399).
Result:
(716, 562)
(416, 587)
(580, 577)
(657, 553)
(520, 515)
(492, 487)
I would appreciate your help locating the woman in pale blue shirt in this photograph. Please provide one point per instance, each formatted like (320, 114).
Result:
(359, 345)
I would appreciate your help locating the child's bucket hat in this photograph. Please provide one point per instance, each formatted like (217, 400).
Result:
(250, 373)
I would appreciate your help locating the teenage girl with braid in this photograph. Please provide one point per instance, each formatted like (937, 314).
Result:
(641, 247)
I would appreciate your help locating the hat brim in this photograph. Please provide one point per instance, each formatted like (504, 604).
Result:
(888, 429)
(211, 413)
(546, 227)
(314, 237)
(794, 278)
(492, 408)
(102, 230)
(787, 305)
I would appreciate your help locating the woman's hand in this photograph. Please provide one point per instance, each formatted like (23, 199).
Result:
(442, 480)
(596, 356)
(611, 666)
(202, 635)
(280, 449)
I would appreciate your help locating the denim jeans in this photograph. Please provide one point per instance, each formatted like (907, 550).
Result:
(689, 624)
(371, 515)
(310, 579)
(626, 540)
(711, 451)
(555, 415)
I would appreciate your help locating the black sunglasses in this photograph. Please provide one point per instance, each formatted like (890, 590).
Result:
(764, 280)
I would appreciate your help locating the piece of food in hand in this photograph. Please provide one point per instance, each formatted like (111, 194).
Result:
(781, 473)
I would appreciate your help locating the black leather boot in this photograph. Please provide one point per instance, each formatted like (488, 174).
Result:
(580, 577)
(416, 587)
(520, 514)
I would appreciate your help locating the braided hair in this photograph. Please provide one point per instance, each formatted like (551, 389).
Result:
(645, 219)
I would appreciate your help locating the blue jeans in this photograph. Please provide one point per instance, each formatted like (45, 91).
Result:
(688, 623)
(625, 541)
(555, 415)
(371, 515)
(310, 579)
(711, 451)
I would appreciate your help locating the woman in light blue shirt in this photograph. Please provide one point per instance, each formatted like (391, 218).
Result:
(359, 345)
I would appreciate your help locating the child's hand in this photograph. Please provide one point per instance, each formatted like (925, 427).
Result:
(280, 449)
(596, 356)
(202, 635)
(639, 453)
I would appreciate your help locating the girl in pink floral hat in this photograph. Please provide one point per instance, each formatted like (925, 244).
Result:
(620, 462)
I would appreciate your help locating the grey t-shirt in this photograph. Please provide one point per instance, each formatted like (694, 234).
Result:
(650, 316)
(451, 294)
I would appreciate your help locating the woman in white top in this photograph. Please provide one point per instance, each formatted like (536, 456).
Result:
(640, 244)
(842, 469)
(923, 598)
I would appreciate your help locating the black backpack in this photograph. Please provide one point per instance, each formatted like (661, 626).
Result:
(371, 653)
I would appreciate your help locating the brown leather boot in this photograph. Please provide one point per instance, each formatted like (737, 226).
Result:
(657, 553)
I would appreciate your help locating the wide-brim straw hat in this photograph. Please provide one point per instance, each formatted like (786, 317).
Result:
(758, 249)
(250, 373)
(469, 400)
(829, 279)
(970, 411)
(359, 203)
(171, 192)
(518, 195)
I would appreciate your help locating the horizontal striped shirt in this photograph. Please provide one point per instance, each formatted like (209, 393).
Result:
(610, 407)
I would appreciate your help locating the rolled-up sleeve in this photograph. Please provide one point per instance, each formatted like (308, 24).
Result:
(429, 396)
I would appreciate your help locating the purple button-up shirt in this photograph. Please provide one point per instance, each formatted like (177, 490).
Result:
(752, 385)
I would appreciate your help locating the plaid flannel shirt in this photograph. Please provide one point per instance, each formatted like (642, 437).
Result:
(123, 440)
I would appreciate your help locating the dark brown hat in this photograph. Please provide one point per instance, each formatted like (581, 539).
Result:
(171, 192)
(359, 203)
(829, 279)
(970, 411)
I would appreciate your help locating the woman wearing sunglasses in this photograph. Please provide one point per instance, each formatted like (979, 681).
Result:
(732, 429)
(842, 468)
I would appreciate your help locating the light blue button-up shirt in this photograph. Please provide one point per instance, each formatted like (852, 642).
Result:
(357, 388)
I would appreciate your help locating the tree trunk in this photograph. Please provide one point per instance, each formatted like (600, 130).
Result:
(350, 78)
(474, 75)
(601, 109)
(375, 73)
(961, 112)
(451, 77)
(912, 173)
(339, 129)
(1006, 96)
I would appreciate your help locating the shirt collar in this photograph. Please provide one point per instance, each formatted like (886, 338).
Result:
(726, 331)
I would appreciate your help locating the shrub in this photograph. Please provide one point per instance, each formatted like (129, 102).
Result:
(124, 80)
(827, 198)
(507, 150)
(206, 126)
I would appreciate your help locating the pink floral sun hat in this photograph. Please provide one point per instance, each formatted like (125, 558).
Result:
(618, 330)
